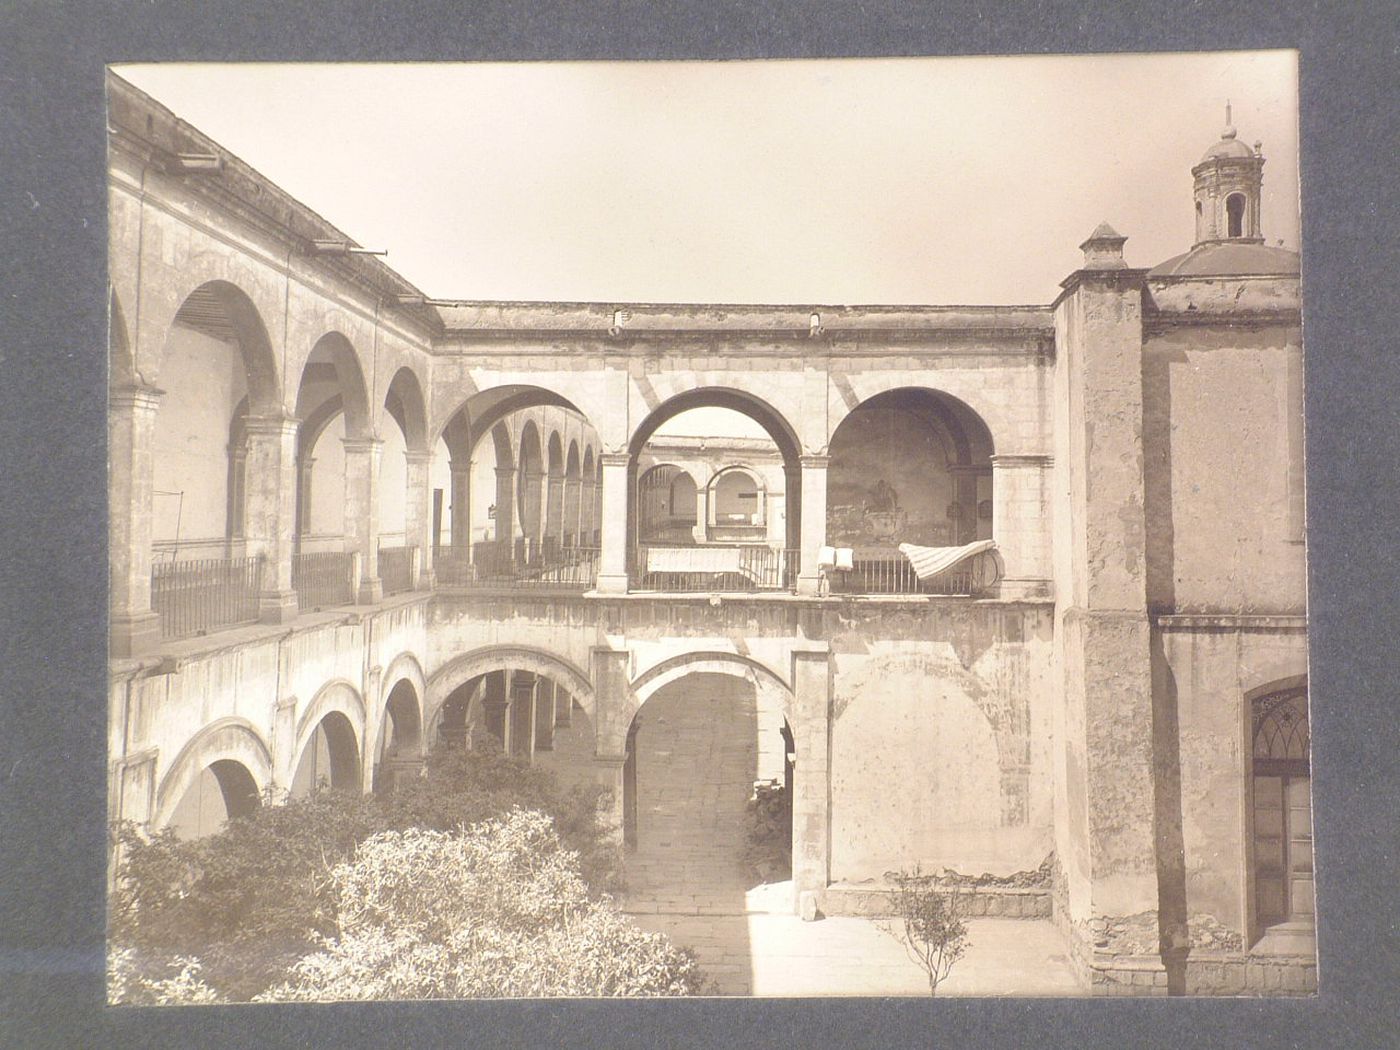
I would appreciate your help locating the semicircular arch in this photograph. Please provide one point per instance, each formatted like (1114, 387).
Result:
(467, 666)
(229, 739)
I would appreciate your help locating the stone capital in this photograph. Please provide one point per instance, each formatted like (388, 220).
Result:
(362, 444)
(418, 457)
(814, 462)
(135, 397)
(271, 426)
(615, 459)
(1022, 461)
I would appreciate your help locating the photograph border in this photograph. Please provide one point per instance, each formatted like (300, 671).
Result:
(53, 339)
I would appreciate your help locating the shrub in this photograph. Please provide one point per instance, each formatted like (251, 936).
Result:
(769, 846)
(255, 897)
(498, 909)
(931, 923)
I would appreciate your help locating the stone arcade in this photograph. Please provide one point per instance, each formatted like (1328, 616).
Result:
(348, 522)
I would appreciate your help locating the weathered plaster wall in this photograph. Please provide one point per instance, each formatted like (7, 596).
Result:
(203, 383)
(1223, 417)
(1212, 664)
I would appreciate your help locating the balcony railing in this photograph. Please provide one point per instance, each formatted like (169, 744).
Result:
(396, 569)
(323, 579)
(201, 594)
(712, 568)
(882, 572)
(519, 565)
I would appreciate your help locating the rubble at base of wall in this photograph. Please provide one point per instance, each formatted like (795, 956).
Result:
(874, 901)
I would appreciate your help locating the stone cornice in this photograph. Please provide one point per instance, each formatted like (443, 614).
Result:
(1155, 321)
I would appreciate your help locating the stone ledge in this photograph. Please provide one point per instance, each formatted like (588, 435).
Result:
(989, 902)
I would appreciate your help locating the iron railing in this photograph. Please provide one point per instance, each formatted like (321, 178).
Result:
(201, 594)
(714, 568)
(891, 573)
(396, 569)
(323, 579)
(519, 565)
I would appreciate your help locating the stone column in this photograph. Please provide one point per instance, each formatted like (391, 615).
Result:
(587, 509)
(522, 717)
(811, 786)
(460, 534)
(612, 718)
(494, 703)
(418, 514)
(544, 714)
(131, 419)
(303, 511)
(505, 512)
(612, 573)
(1102, 629)
(1021, 523)
(554, 510)
(814, 470)
(268, 527)
(563, 707)
(362, 512)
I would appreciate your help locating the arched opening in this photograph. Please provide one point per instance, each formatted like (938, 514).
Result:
(223, 791)
(1281, 814)
(701, 752)
(746, 525)
(529, 715)
(666, 506)
(531, 492)
(217, 370)
(908, 466)
(590, 492)
(737, 502)
(554, 497)
(573, 492)
(400, 738)
(522, 494)
(330, 758)
(332, 406)
(404, 431)
(1234, 214)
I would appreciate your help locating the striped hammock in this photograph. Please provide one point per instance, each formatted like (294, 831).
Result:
(930, 561)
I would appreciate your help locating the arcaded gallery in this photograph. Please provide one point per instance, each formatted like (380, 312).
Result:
(1012, 591)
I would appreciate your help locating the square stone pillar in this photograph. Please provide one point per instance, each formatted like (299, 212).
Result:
(460, 532)
(418, 515)
(811, 782)
(1021, 497)
(1108, 837)
(131, 417)
(612, 571)
(495, 701)
(505, 512)
(544, 714)
(612, 718)
(563, 708)
(270, 522)
(362, 512)
(814, 470)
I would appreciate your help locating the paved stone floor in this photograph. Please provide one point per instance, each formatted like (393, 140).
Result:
(764, 954)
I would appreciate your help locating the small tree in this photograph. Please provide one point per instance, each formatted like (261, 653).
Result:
(495, 909)
(934, 933)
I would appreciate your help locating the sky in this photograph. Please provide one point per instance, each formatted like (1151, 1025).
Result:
(849, 181)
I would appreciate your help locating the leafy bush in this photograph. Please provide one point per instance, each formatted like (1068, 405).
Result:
(169, 982)
(253, 898)
(498, 909)
(931, 923)
(769, 846)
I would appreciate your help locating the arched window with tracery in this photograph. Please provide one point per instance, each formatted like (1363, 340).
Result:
(1282, 810)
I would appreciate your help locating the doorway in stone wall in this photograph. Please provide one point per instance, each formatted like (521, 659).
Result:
(695, 752)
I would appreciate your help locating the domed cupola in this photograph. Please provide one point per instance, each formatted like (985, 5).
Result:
(1229, 180)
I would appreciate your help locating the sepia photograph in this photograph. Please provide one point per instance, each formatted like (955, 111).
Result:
(802, 528)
